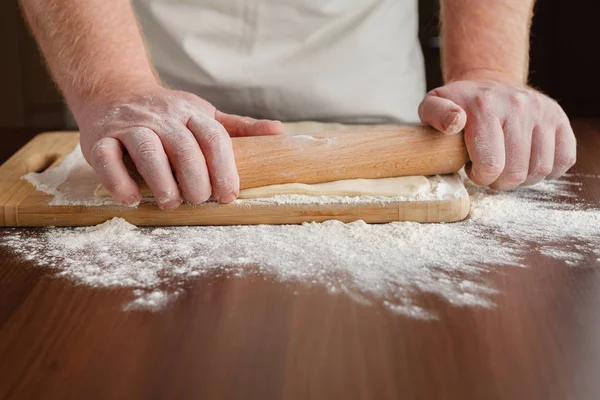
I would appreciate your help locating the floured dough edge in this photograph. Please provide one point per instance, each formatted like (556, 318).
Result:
(407, 188)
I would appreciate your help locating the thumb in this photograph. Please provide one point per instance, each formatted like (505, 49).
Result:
(246, 126)
(443, 114)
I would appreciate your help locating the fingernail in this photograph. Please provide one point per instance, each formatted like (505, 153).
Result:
(450, 122)
(170, 205)
(132, 201)
(228, 198)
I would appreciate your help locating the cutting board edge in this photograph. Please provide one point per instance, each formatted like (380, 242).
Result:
(241, 214)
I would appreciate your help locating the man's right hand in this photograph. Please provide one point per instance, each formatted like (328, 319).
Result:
(98, 58)
(173, 138)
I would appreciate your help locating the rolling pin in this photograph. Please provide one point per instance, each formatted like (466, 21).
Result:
(329, 156)
(380, 152)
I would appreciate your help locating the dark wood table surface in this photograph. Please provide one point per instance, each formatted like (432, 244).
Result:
(259, 339)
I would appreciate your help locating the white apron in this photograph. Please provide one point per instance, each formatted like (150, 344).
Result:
(326, 60)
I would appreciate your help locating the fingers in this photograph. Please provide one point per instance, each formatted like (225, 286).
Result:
(245, 126)
(514, 134)
(542, 155)
(189, 165)
(485, 142)
(148, 154)
(517, 145)
(565, 153)
(106, 158)
(443, 114)
(216, 146)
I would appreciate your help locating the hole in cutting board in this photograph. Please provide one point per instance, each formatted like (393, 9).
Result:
(41, 162)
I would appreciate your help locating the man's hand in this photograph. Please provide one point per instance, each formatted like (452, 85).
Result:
(514, 135)
(97, 56)
(172, 137)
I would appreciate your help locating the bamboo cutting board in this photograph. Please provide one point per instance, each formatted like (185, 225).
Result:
(22, 205)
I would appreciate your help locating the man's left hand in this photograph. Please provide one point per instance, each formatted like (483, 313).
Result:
(514, 134)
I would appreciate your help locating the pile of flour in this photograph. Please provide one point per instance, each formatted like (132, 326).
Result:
(386, 264)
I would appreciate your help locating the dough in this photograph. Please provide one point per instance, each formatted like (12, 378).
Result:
(407, 186)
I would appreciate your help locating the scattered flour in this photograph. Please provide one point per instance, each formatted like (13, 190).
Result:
(153, 300)
(389, 264)
(570, 257)
(580, 175)
(72, 182)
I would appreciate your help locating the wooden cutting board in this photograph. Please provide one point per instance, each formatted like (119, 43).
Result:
(22, 205)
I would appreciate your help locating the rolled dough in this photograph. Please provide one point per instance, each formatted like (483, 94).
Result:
(405, 186)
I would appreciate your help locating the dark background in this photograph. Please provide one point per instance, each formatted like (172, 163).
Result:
(564, 64)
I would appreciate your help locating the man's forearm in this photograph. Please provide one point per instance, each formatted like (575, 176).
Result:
(93, 47)
(486, 38)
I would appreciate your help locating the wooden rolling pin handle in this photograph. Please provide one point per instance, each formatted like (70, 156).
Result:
(328, 156)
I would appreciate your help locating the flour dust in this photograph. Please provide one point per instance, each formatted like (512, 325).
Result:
(389, 264)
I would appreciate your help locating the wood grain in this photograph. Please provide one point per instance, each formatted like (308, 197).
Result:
(329, 156)
(255, 338)
(22, 205)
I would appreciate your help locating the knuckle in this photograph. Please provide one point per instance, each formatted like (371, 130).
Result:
(566, 161)
(245, 122)
(147, 149)
(100, 156)
(240, 125)
(198, 102)
(484, 102)
(187, 157)
(519, 100)
(213, 136)
(539, 100)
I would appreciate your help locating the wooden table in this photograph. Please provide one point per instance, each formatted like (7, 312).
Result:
(251, 338)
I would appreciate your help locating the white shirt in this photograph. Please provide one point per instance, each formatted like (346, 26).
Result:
(327, 60)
